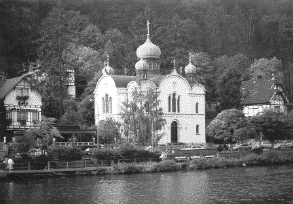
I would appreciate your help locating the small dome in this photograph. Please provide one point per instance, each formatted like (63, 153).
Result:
(109, 70)
(190, 68)
(141, 65)
(148, 50)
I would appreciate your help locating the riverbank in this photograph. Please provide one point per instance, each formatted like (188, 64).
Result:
(267, 158)
(271, 157)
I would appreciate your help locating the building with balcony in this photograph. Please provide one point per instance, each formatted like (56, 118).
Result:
(20, 107)
(262, 93)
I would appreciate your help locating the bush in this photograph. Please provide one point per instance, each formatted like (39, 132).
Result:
(167, 165)
(128, 168)
(65, 154)
(127, 152)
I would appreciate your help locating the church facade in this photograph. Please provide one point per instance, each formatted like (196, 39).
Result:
(181, 98)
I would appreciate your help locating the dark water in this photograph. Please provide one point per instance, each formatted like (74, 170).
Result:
(236, 185)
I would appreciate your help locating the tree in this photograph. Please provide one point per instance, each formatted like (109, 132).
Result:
(59, 30)
(108, 131)
(265, 68)
(230, 126)
(142, 117)
(234, 71)
(274, 125)
(40, 137)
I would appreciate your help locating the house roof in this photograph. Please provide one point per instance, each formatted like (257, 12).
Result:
(257, 91)
(5, 87)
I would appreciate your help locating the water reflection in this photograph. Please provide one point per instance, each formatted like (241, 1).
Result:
(237, 185)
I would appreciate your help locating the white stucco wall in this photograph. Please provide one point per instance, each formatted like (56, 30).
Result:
(187, 118)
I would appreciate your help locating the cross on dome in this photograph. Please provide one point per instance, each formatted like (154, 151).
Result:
(107, 59)
(174, 62)
(148, 27)
(190, 57)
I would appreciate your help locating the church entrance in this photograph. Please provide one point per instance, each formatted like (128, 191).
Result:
(174, 132)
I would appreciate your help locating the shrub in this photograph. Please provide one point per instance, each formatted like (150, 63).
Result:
(65, 154)
(128, 168)
(167, 165)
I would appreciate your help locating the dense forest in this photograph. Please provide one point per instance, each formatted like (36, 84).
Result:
(229, 41)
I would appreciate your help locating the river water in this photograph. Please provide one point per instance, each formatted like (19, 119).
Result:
(235, 185)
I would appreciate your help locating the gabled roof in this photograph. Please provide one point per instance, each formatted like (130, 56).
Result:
(157, 79)
(257, 91)
(122, 80)
(9, 84)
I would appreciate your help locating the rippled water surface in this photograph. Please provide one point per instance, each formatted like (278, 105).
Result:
(236, 185)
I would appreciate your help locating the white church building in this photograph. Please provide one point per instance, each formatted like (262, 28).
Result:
(182, 99)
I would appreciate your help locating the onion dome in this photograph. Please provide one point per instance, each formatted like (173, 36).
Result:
(148, 49)
(141, 65)
(190, 68)
(107, 68)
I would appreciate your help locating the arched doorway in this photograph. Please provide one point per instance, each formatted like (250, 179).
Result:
(174, 132)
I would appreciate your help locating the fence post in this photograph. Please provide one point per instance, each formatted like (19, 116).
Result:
(67, 165)
(150, 159)
(102, 162)
(48, 165)
(84, 163)
(29, 166)
(118, 161)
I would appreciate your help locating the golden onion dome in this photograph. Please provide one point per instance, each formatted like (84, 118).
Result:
(141, 65)
(148, 50)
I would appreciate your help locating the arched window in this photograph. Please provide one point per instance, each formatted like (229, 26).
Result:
(178, 104)
(103, 104)
(197, 129)
(196, 108)
(174, 103)
(110, 104)
(169, 103)
(107, 103)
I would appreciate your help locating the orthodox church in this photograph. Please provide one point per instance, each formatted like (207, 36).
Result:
(182, 99)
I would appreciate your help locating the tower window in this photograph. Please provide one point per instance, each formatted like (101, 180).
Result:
(107, 104)
(196, 108)
(178, 104)
(174, 103)
(197, 129)
(169, 103)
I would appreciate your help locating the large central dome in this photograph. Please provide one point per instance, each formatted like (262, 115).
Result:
(148, 50)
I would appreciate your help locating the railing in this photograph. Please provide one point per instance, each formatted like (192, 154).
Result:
(51, 165)
(119, 161)
(74, 144)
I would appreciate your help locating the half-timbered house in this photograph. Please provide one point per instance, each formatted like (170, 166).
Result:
(262, 93)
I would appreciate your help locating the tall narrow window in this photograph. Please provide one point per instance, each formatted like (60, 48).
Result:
(110, 104)
(196, 108)
(178, 104)
(197, 129)
(174, 103)
(169, 103)
(107, 103)
(103, 104)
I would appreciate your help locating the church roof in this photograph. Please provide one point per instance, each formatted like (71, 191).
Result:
(122, 81)
(8, 84)
(257, 91)
(157, 79)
